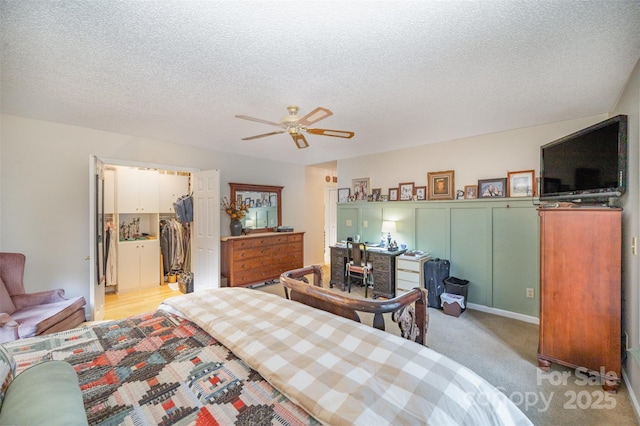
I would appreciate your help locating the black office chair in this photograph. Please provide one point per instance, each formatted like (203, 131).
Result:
(359, 265)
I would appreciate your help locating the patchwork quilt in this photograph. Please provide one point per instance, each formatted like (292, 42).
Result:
(160, 369)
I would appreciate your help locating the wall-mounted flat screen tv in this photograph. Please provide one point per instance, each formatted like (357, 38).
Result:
(589, 164)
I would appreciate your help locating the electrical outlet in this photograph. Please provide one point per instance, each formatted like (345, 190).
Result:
(348, 222)
(529, 292)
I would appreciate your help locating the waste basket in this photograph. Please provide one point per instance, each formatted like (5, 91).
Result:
(453, 285)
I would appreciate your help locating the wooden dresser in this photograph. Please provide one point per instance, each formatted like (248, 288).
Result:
(580, 285)
(255, 258)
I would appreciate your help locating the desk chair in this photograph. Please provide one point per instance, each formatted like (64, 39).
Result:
(359, 265)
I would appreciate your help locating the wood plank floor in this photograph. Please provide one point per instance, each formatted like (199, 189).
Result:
(119, 306)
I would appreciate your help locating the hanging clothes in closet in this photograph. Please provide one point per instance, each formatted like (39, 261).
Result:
(111, 276)
(174, 240)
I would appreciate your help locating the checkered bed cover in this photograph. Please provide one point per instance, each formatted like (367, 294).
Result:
(343, 372)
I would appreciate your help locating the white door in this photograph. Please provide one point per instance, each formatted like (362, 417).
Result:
(205, 247)
(96, 239)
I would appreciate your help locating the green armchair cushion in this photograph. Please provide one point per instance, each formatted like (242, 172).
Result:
(45, 394)
(7, 371)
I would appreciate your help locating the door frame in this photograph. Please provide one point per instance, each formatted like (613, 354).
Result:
(330, 221)
(92, 213)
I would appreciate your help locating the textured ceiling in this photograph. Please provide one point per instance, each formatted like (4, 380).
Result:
(397, 73)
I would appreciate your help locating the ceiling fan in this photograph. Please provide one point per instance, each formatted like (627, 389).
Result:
(295, 126)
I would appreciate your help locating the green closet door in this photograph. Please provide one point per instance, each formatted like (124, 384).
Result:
(470, 253)
(516, 259)
(432, 231)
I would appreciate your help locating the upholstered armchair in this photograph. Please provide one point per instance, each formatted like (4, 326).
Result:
(32, 314)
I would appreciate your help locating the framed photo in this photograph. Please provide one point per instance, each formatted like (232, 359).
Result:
(441, 185)
(393, 194)
(521, 184)
(360, 188)
(421, 192)
(492, 188)
(406, 191)
(343, 195)
(375, 194)
(470, 191)
(384, 197)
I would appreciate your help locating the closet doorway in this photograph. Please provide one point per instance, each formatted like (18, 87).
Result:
(136, 237)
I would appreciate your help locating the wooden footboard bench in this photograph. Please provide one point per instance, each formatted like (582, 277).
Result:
(409, 310)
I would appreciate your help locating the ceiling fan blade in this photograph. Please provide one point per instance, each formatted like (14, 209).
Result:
(314, 116)
(300, 140)
(335, 133)
(259, 120)
(263, 135)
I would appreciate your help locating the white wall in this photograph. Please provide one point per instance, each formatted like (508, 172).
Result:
(629, 104)
(479, 157)
(44, 178)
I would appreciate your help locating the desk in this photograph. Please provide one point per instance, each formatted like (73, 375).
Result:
(384, 269)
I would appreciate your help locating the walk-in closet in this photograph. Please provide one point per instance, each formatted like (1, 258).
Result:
(147, 242)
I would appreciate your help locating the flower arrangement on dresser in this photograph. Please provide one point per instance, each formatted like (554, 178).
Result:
(236, 211)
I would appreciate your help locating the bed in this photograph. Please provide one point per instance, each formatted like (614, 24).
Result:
(244, 356)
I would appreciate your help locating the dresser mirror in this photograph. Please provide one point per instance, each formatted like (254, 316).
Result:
(265, 205)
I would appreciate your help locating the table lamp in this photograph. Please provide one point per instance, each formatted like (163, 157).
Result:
(388, 226)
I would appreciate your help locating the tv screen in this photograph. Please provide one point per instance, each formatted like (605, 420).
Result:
(591, 163)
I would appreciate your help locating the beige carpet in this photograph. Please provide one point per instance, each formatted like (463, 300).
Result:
(503, 351)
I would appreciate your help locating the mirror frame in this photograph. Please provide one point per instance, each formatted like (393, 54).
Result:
(242, 187)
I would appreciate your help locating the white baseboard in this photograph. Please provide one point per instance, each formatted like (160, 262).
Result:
(632, 395)
(503, 313)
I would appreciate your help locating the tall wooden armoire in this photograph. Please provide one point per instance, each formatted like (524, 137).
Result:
(580, 286)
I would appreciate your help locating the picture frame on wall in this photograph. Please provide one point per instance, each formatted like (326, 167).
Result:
(343, 195)
(406, 191)
(375, 194)
(360, 188)
(521, 183)
(492, 188)
(470, 191)
(421, 192)
(393, 194)
(441, 185)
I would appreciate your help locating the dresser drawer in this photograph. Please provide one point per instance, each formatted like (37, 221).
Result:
(252, 276)
(278, 239)
(251, 253)
(408, 265)
(412, 277)
(379, 263)
(246, 264)
(295, 238)
(242, 244)
(266, 241)
(286, 249)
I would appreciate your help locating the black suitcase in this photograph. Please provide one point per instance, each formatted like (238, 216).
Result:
(435, 272)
